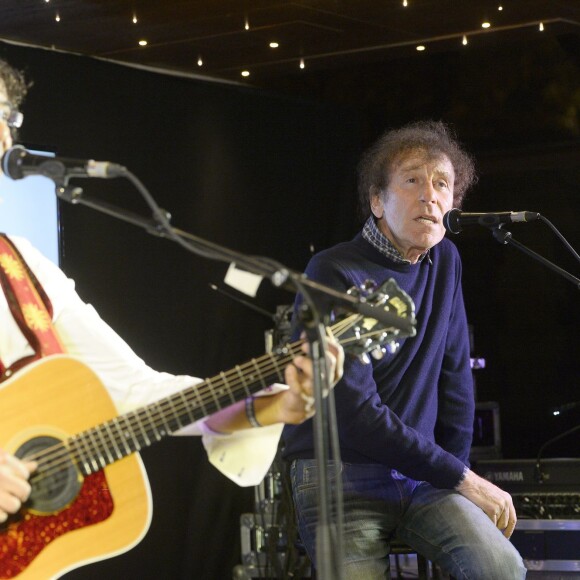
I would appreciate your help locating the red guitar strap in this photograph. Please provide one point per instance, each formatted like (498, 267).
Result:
(29, 305)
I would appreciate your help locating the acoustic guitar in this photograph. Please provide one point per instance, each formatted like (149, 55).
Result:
(90, 496)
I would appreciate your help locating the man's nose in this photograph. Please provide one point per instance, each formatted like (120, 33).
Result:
(428, 192)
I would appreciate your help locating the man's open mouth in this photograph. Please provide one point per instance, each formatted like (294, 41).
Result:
(427, 219)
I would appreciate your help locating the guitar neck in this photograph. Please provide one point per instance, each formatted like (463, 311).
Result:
(108, 442)
(94, 449)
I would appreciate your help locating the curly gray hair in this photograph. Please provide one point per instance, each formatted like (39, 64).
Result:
(433, 137)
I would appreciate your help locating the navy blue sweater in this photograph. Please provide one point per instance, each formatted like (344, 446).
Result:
(413, 410)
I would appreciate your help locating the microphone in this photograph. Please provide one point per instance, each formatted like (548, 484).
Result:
(18, 163)
(455, 219)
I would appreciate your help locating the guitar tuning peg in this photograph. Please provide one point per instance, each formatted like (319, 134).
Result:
(381, 299)
(353, 291)
(364, 358)
(392, 347)
(368, 285)
(378, 353)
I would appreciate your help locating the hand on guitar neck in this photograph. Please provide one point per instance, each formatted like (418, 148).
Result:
(292, 406)
(14, 486)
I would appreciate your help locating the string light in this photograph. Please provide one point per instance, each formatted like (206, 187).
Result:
(199, 61)
(247, 23)
(57, 17)
(485, 24)
(405, 3)
(541, 27)
(500, 7)
(302, 65)
(464, 40)
(245, 73)
(134, 19)
(420, 47)
(274, 45)
(142, 43)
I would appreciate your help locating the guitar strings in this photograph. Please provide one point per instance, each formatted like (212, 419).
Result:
(60, 452)
(272, 367)
(55, 457)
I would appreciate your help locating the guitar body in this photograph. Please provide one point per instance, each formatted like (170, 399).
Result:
(110, 513)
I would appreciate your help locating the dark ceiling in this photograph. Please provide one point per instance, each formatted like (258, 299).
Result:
(326, 34)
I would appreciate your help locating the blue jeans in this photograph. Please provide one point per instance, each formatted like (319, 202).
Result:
(381, 504)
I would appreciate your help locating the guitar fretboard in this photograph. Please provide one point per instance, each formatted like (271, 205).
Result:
(108, 442)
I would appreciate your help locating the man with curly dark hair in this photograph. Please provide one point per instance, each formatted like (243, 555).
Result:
(13, 82)
(13, 88)
(405, 421)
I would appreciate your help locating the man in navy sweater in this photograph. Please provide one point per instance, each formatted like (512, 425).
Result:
(405, 421)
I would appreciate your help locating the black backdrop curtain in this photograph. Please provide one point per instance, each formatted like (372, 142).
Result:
(274, 175)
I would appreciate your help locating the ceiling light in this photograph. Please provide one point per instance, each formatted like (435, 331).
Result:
(485, 24)
(134, 19)
(57, 17)
(247, 23)
(541, 27)
(199, 61)
(405, 3)
(464, 40)
(302, 65)
(274, 45)
(142, 43)
(245, 73)
(420, 47)
(500, 7)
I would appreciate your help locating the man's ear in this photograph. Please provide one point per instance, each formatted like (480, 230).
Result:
(376, 202)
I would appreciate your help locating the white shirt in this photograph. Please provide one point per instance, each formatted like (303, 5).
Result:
(244, 456)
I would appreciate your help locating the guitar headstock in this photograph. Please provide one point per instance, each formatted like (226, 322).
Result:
(360, 335)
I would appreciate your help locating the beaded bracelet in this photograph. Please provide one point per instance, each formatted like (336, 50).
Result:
(251, 412)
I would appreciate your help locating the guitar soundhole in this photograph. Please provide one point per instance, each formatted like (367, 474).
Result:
(56, 482)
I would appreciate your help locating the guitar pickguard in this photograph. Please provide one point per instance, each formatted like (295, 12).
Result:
(26, 536)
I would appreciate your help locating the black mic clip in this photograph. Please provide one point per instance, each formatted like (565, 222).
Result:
(69, 193)
(501, 235)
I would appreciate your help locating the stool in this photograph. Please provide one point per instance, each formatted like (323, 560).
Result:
(398, 548)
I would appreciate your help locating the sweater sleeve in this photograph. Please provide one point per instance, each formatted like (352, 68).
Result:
(454, 429)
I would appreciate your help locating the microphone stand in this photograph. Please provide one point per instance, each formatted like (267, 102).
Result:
(277, 273)
(329, 549)
(505, 237)
(324, 299)
(329, 536)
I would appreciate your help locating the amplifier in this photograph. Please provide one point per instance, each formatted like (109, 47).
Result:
(547, 502)
(561, 475)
